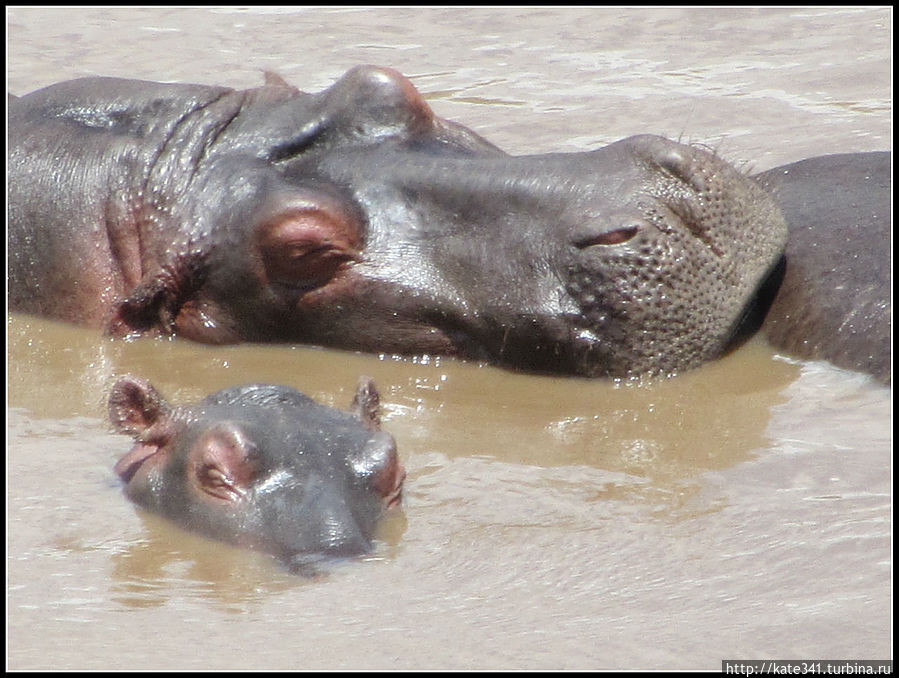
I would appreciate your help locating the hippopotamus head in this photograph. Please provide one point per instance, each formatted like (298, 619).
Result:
(356, 218)
(261, 466)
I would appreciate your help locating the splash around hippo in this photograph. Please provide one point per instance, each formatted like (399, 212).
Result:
(355, 218)
(261, 466)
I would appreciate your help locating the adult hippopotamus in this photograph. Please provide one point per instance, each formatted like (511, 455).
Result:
(261, 466)
(834, 302)
(355, 218)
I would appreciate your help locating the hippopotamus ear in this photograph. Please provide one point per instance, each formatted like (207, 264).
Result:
(367, 403)
(135, 406)
(222, 462)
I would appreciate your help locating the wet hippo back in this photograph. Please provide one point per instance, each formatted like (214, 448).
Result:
(834, 301)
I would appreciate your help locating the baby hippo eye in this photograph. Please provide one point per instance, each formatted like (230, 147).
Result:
(216, 482)
(222, 462)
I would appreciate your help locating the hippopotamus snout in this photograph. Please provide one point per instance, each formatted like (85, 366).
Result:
(686, 176)
(639, 257)
(662, 278)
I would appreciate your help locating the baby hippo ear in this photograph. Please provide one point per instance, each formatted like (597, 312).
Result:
(135, 406)
(367, 404)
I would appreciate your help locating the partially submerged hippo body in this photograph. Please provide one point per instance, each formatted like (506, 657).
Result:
(834, 301)
(355, 218)
(261, 466)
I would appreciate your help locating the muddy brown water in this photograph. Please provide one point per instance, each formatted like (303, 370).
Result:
(742, 510)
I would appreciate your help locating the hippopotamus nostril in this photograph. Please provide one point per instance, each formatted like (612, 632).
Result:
(679, 162)
(684, 163)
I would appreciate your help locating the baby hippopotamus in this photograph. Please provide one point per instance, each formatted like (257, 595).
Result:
(261, 466)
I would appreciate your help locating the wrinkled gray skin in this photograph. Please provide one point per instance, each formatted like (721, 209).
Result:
(355, 218)
(261, 466)
(834, 302)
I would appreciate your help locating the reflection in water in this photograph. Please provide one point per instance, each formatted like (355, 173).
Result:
(527, 499)
(566, 498)
(145, 570)
(665, 430)
(234, 578)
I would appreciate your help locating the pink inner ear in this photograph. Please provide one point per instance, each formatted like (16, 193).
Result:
(222, 464)
(134, 405)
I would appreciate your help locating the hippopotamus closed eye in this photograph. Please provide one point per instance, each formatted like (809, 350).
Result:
(355, 218)
(261, 466)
